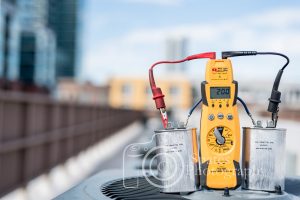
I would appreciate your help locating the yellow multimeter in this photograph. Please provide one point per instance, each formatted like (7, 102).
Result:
(220, 128)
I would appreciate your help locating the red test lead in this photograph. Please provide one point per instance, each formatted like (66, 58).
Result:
(158, 96)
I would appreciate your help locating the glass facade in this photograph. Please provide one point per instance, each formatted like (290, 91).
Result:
(1, 42)
(37, 44)
(14, 46)
(9, 40)
(62, 19)
(38, 40)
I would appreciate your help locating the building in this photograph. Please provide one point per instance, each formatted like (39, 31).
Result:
(176, 49)
(63, 20)
(9, 39)
(37, 44)
(135, 93)
(70, 91)
(28, 45)
(260, 92)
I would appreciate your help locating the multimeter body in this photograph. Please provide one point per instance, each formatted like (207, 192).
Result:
(220, 127)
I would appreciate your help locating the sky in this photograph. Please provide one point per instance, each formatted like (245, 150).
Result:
(124, 37)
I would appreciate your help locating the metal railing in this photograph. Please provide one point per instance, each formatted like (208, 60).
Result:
(37, 133)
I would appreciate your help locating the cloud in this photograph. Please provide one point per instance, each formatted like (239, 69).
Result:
(278, 18)
(273, 30)
(157, 2)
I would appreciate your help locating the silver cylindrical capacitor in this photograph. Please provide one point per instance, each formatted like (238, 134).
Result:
(177, 160)
(263, 158)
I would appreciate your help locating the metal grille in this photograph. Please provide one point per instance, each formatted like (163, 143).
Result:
(116, 190)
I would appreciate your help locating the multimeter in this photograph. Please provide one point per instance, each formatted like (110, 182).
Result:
(220, 127)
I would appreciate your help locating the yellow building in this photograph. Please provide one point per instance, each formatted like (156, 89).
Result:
(135, 93)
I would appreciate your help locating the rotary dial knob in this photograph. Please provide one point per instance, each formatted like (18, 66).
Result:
(220, 139)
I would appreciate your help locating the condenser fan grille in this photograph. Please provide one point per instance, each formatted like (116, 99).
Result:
(116, 190)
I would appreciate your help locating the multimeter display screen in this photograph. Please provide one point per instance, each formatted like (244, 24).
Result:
(220, 92)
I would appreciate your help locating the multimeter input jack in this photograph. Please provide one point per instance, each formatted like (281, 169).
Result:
(229, 116)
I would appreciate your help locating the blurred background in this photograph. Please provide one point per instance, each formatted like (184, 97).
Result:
(74, 79)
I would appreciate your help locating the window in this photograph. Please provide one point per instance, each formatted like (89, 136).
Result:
(127, 89)
(174, 91)
(148, 90)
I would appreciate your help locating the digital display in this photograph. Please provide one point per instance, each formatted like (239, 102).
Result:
(220, 92)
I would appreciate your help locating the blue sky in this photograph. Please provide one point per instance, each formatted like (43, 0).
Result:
(123, 37)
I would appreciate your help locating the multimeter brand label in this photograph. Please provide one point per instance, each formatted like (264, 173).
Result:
(219, 73)
(219, 69)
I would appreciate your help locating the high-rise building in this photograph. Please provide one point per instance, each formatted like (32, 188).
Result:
(37, 44)
(175, 50)
(63, 20)
(38, 41)
(27, 45)
(9, 38)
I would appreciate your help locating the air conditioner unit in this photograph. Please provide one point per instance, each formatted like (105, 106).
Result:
(110, 184)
